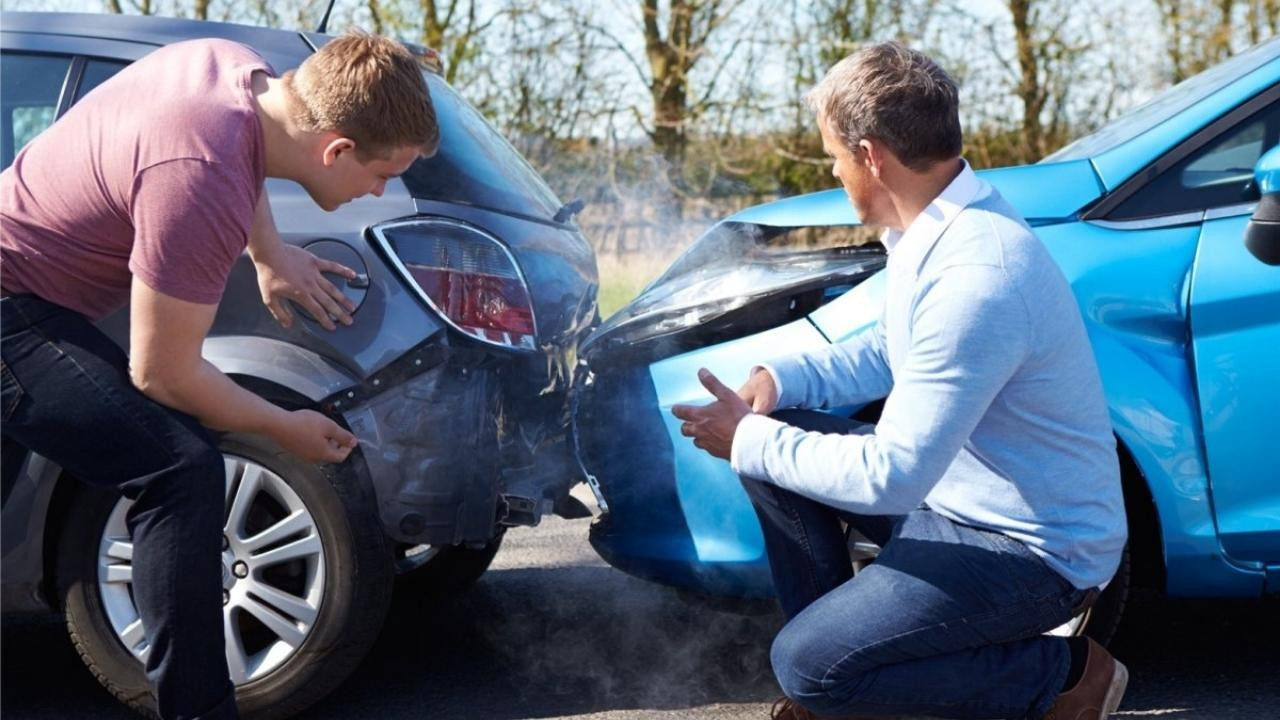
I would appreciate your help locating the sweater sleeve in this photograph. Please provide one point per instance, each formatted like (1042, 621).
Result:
(850, 373)
(970, 331)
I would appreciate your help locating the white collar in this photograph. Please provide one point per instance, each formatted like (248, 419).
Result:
(929, 225)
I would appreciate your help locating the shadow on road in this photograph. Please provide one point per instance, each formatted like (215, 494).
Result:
(563, 641)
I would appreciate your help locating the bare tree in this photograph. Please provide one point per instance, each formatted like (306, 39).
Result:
(1198, 33)
(676, 37)
(1263, 19)
(450, 27)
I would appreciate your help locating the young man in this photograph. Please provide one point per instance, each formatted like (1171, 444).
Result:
(991, 481)
(146, 192)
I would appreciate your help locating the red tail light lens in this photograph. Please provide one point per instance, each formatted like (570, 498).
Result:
(467, 276)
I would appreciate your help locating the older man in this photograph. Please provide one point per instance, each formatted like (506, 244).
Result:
(991, 480)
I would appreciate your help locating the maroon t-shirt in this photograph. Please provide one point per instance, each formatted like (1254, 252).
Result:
(154, 174)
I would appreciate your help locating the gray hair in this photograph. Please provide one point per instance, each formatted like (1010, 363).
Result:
(895, 95)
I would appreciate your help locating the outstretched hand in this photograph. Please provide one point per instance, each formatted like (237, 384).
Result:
(292, 273)
(712, 426)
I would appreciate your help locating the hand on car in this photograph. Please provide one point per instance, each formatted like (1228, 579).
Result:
(712, 426)
(314, 437)
(292, 273)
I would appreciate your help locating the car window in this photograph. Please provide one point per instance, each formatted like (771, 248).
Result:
(95, 73)
(475, 165)
(32, 85)
(1218, 174)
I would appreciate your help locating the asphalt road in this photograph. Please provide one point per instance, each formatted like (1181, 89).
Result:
(551, 632)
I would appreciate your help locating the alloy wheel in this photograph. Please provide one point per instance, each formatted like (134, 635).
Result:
(272, 573)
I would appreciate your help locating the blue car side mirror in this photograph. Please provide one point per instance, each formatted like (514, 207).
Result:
(1262, 237)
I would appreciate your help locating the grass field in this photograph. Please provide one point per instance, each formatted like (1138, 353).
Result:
(623, 277)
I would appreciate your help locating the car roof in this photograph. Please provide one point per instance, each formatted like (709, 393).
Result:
(282, 48)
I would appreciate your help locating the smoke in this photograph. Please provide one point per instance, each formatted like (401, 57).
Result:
(603, 640)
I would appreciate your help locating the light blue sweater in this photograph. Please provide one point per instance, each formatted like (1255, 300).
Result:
(995, 414)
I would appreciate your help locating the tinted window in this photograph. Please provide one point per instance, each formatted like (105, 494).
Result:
(95, 72)
(475, 165)
(1218, 174)
(32, 85)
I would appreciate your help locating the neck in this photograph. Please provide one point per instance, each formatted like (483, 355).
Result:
(913, 191)
(282, 139)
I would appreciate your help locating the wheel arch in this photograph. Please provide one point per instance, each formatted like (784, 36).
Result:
(354, 473)
(278, 366)
(1146, 545)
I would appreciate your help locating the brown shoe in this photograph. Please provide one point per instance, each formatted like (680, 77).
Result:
(784, 708)
(1099, 691)
(787, 709)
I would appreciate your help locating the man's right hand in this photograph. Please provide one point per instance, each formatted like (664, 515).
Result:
(313, 437)
(760, 392)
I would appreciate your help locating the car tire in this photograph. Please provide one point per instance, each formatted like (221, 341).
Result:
(451, 569)
(352, 605)
(1103, 619)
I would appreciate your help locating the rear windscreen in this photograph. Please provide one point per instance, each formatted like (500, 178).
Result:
(475, 165)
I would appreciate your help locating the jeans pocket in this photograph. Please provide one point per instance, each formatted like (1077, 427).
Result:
(11, 392)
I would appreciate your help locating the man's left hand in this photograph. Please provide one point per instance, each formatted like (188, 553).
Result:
(292, 273)
(712, 426)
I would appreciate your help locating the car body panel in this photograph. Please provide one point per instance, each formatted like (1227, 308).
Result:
(278, 362)
(701, 479)
(1132, 290)
(1235, 328)
(691, 522)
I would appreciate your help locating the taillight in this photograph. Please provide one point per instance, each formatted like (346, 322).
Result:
(466, 275)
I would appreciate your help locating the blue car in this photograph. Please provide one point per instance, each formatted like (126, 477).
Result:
(1148, 219)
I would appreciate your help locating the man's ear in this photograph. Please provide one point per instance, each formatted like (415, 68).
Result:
(873, 154)
(336, 147)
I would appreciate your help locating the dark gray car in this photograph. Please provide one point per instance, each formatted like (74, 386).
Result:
(473, 291)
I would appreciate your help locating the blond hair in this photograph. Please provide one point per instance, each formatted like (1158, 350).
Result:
(368, 88)
(896, 95)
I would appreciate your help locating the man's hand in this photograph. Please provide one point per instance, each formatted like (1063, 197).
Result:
(313, 437)
(291, 273)
(712, 426)
(760, 392)
(165, 339)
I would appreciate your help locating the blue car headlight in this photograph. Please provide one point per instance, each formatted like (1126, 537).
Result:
(735, 266)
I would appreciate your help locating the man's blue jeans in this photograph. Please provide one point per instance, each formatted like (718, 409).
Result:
(946, 622)
(67, 395)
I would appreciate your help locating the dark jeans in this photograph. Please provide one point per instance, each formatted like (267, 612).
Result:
(67, 395)
(946, 622)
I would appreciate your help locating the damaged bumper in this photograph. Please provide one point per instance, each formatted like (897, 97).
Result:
(742, 294)
(453, 451)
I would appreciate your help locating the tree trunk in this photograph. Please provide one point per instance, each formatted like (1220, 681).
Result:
(1030, 90)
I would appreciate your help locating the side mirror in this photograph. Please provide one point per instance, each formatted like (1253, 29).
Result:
(1262, 237)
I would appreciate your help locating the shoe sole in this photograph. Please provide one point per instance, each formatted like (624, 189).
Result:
(1115, 693)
